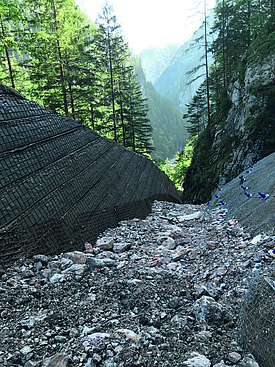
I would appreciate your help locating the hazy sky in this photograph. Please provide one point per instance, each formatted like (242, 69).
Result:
(152, 22)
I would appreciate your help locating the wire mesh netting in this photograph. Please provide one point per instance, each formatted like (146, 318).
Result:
(61, 183)
(257, 319)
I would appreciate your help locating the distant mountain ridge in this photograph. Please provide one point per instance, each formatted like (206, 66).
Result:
(154, 60)
(172, 83)
(169, 132)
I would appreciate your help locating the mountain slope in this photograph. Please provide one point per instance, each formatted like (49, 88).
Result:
(169, 132)
(155, 60)
(247, 134)
(173, 82)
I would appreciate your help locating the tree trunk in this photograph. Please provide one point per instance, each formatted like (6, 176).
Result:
(122, 117)
(7, 55)
(112, 83)
(92, 113)
(62, 79)
(132, 125)
(72, 100)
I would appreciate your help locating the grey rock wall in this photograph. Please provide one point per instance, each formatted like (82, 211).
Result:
(61, 183)
(255, 212)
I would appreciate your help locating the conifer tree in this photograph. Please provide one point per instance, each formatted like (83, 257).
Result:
(10, 15)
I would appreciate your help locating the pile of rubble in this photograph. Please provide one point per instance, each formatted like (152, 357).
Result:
(164, 291)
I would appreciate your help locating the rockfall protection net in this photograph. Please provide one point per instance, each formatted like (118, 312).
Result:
(61, 183)
(257, 319)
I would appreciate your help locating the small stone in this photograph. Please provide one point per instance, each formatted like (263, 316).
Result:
(121, 264)
(32, 364)
(42, 258)
(195, 215)
(212, 245)
(169, 243)
(248, 362)
(118, 349)
(179, 320)
(100, 263)
(234, 357)
(86, 330)
(207, 309)
(186, 253)
(246, 264)
(73, 333)
(174, 302)
(258, 256)
(66, 263)
(57, 278)
(60, 339)
(75, 269)
(5, 331)
(109, 363)
(54, 265)
(121, 247)
(94, 340)
(27, 273)
(197, 361)
(256, 239)
(80, 257)
(105, 243)
(45, 273)
(204, 334)
(58, 360)
(89, 363)
(129, 334)
(89, 248)
(96, 358)
(38, 265)
(25, 350)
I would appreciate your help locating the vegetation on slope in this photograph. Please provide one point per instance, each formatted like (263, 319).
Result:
(245, 40)
(53, 54)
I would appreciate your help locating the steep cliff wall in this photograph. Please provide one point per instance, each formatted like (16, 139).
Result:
(61, 183)
(228, 147)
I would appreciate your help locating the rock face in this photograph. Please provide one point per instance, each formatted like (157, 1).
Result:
(250, 197)
(61, 183)
(246, 136)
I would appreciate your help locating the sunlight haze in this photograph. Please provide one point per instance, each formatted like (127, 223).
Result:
(149, 23)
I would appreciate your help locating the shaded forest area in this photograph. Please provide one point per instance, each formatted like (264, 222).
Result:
(53, 54)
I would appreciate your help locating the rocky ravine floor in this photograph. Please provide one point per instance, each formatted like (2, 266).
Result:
(164, 291)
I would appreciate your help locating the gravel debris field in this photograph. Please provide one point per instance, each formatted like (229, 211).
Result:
(163, 291)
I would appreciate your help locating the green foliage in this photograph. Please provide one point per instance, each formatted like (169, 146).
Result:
(74, 67)
(177, 168)
(196, 115)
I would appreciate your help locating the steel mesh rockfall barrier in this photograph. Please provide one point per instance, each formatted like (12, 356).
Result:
(61, 183)
(257, 319)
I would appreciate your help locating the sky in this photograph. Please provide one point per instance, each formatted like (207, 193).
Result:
(147, 23)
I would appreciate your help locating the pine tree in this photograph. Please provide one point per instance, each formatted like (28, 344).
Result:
(10, 15)
(197, 112)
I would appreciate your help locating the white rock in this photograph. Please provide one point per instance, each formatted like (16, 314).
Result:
(248, 362)
(207, 309)
(56, 278)
(197, 361)
(195, 215)
(105, 243)
(256, 239)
